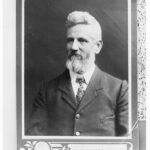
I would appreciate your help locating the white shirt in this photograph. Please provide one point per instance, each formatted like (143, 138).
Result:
(87, 76)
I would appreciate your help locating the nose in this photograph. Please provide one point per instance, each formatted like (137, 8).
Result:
(75, 45)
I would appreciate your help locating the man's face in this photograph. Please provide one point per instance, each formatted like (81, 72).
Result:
(81, 48)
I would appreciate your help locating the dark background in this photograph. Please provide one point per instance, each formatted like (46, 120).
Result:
(45, 50)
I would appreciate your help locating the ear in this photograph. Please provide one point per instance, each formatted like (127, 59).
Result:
(99, 46)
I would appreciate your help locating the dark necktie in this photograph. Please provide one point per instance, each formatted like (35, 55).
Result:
(81, 90)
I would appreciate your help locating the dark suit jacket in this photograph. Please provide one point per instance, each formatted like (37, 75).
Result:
(103, 110)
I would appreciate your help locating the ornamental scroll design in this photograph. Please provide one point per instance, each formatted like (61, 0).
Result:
(141, 58)
(42, 145)
(35, 145)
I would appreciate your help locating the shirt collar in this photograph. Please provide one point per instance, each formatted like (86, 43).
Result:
(87, 76)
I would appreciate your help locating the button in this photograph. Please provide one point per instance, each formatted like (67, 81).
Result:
(77, 116)
(77, 133)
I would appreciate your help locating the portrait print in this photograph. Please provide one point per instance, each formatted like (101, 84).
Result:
(54, 41)
(78, 70)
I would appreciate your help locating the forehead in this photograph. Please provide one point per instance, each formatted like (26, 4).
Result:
(81, 30)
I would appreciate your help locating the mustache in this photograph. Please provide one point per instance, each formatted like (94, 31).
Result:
(73, 54)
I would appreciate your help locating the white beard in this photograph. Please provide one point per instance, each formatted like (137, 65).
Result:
(78, 65)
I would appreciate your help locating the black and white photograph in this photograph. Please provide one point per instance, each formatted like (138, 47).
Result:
(77, 75)
(83, 63)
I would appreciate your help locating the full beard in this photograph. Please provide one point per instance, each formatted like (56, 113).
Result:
(79, 64)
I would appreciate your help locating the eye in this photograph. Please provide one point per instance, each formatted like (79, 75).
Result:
(82, 40)
(70, 40)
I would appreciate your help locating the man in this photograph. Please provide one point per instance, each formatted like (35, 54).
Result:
(83, 101)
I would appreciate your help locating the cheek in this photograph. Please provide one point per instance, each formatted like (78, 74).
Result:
(89, 51)
(68, 49)
(68, 46)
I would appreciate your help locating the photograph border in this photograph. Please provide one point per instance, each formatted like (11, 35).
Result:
(131, 127)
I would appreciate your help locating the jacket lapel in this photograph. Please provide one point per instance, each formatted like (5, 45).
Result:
(91, 91)
(65, 87)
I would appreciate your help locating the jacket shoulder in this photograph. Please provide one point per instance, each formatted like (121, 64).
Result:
(113, 85)
(107, 78)
(53, 83)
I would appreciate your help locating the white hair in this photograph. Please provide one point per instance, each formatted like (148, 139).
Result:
(80, 17)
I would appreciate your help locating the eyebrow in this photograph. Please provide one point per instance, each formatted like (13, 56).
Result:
(81, 39)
